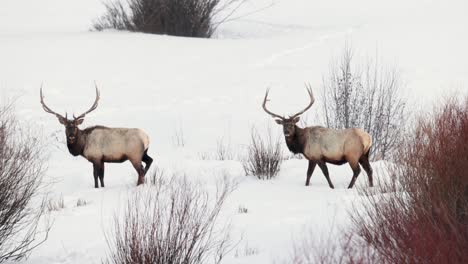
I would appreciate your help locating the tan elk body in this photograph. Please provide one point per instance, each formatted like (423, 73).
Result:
(115, 144)
(99, 144)
(322, 145)
(336, 145)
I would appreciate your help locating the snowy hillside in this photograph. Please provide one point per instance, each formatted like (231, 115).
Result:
(211, 90)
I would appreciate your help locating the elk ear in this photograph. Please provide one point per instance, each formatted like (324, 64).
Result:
(62, 120)
(279, 121)
(296, 119)
(79, 121)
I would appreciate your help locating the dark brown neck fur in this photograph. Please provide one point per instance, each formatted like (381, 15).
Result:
(296, 142)
(76, 148)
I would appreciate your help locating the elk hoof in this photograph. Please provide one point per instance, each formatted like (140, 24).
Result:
(331, 186)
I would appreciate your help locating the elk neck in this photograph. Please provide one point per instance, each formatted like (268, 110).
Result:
(76, 148)
(296, 142)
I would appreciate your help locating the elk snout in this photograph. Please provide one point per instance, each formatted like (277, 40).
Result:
(288, 130)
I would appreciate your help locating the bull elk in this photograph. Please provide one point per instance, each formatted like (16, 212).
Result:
(100, 144)
(322, 145)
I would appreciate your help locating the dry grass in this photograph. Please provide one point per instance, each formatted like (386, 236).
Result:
(81, 202)
(242, 209)
(224, 150)
(330, 247)
(55, 204)
(246, 250)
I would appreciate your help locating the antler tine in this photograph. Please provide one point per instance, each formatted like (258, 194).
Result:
(312, 100)
(46, 108)
(93, 107)
(265, 100)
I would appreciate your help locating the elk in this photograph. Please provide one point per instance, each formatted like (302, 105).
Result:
(322, 145)
(100, 144)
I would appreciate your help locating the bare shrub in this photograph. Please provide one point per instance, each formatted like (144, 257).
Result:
(370, 99)
(21, 204)
(174, 221)
(189, 18)
(423, 215)
(264, 156)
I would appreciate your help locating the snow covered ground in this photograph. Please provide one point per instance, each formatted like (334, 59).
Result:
(211, 89)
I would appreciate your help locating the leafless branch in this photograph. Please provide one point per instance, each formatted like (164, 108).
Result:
(22, 207)
(171, 221)
(370, 99)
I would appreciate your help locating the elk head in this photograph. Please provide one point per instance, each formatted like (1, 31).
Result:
(288, 123)
(71, 125)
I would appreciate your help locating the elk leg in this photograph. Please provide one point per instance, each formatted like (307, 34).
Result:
(310, 170)
(101, 174)
(95, 174)
(364, 161)
(356, 171)
(141, 172)
(324, 168)
(147, 160)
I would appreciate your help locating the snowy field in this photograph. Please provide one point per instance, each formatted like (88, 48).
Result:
(211, 91)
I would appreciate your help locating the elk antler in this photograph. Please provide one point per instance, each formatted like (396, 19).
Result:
(94, 106)
(312, 100)
(265, 100)
(48, 110)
